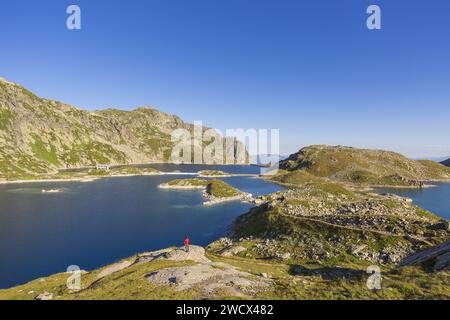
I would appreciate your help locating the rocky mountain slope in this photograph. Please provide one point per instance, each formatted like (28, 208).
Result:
(364, 166)
(40, 136)
(326, 222)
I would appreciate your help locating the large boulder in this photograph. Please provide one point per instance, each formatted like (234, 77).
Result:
(437, 257)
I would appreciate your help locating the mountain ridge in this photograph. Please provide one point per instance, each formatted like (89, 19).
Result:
(41, 136)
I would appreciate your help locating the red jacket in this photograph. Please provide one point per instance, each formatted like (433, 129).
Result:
(187, 241)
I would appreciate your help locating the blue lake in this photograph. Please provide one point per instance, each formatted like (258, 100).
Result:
(91, 224)
(435, 199)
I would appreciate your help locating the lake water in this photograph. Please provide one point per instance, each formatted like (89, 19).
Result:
(91, 224)
(436, 199)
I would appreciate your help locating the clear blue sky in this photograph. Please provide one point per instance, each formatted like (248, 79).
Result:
(310, 68)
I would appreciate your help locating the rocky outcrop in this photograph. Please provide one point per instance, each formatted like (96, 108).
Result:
(212, 200)
(113, 268)
(436, 258)
(204, 275)
(195, 253)
(322, 221)
(209, 278)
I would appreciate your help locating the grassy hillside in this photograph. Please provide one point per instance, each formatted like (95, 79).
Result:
(285, 280)
(220, 189)
(363, 166)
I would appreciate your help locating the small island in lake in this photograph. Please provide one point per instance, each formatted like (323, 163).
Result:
(215, 191)
(185, 184)
(213, 174)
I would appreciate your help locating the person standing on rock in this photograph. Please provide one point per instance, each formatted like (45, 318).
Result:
(187, 242)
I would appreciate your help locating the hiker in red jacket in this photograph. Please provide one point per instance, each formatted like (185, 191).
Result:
(187, 242)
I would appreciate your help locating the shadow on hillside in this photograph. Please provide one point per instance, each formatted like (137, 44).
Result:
(328, 273)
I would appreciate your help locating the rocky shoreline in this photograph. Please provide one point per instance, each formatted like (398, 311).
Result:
(90, 178)
(211, 200)
(167, 186)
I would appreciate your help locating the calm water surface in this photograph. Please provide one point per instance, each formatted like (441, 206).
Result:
(95, 223)
(436, 199)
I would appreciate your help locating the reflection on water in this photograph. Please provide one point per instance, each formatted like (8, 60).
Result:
(96, 223)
